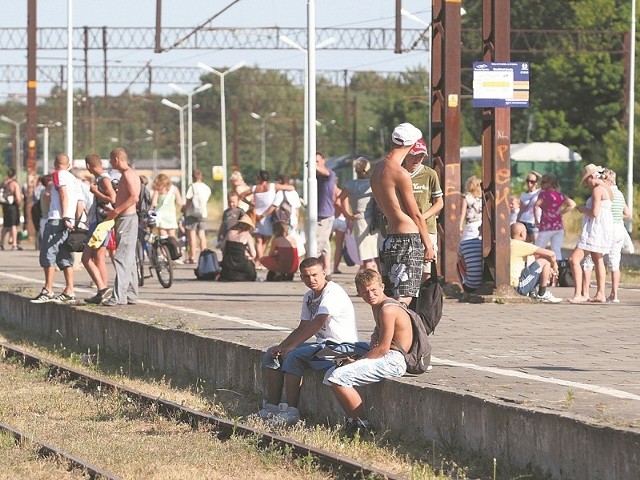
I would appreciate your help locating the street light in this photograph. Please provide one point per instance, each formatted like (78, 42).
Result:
(190, 95)
(308, 154)
(175, 106)
(223, 122)
(196, 147)
(45, 130)
(18, 156)
(263, 136)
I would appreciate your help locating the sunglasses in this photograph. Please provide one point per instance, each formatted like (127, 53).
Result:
(532, 181)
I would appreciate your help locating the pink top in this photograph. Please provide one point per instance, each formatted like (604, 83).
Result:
(551, 206)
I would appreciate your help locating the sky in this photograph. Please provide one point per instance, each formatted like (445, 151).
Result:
(242, 13)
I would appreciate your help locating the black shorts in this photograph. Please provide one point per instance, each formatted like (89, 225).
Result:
(10, 215)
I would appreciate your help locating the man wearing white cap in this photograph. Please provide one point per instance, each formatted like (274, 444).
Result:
(426, 190)
(407, 246)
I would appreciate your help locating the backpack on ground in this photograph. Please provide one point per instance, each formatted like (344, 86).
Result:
(428, 304)
(208, 266)
(282, 213)
(565, 275)
(418, 357)
(173, 246)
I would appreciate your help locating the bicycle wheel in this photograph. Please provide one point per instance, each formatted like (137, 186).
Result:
(140, 263)
(164, 268)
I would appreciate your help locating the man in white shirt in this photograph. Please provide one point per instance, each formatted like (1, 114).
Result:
(327, 313)
(63, 213)
(195, 211)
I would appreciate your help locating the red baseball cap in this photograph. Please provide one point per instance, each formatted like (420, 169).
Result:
(420, 148)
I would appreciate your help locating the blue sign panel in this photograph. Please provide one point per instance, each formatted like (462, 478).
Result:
(503, 84)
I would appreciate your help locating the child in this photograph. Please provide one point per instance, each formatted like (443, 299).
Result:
(514, 207)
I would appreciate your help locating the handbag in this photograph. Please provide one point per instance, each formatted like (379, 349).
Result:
(76, 239)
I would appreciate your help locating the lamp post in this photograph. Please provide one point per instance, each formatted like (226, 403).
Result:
(263, 136)
(307, 153)
(45, 156)
(223, 122)
(18, 155)
(196, 147)
(175, 106)
(632, 101)
(190, 95)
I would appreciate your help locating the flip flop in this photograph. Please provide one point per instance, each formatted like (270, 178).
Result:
(577, 300)
(596, 300)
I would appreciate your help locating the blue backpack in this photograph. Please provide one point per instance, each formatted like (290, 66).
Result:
(208, 266)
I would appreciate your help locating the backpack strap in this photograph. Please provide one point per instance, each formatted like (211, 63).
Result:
(393, 301)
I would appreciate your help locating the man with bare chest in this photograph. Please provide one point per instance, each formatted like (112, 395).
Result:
(126, 228)
(407, 246)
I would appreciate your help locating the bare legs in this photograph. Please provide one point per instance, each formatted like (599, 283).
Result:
(349, 400)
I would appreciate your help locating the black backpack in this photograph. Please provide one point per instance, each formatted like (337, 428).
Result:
(418, 357)
(36, 214)
(282, 213)
(378, 220)
(428, 304)
(173, 246)
(208, 266)
(565, 275)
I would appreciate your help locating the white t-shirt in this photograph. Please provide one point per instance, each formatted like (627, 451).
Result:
(64, 178)
(294, 199)
(334, 301)
(527, 206)
(199, 194)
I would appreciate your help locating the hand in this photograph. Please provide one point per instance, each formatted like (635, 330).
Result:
(429, 254)
(68, 223)
(274, 351)
(110, 211)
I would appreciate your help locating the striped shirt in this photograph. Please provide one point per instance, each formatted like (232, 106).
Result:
(618, 205)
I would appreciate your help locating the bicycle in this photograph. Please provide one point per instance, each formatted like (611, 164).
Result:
(157, 252)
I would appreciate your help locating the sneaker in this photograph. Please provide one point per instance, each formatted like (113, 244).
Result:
(547, 298)
(64, 298)
(95, 300)
(110, 302)
(357, 426)
(286, 415)
(43, 297)
(268, 410)
(105, 293)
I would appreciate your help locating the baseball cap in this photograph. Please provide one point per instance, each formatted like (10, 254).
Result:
(405, 134)
(420, 148)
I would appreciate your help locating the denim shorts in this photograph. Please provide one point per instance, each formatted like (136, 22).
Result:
(195, 223)
(367, 370)
(295, 361)
(54, 250)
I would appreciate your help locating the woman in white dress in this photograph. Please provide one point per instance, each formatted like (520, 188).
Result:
(167, 202)
(596, 236)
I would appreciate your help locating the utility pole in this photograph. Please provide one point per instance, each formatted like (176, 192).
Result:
(31, 110)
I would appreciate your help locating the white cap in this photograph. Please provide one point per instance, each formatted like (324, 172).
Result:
(406, 135)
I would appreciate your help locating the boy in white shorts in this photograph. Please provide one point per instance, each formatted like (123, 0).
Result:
(384, 360)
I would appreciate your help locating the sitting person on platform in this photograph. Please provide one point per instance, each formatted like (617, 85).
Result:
(239, 252)
(327, 313)
(282, 261)
(230, 216)
(384, 360)
(470, 264)
(525, 274)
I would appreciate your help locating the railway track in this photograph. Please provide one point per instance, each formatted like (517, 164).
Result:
(47, 450)
(345, 467)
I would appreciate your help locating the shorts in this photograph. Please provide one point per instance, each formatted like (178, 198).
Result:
(54, 250)
(323, 234)
(195, 223)
(340, 224)
(264, 227)
(529, 278)
(10, 215)
(92, 227)
(295, 361)
(401, 259)
(531, 228)
(367, 370)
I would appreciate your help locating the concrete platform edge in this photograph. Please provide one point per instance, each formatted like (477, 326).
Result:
(555, 444)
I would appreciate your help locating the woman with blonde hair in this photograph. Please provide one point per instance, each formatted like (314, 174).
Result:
(471, 212)
(167, 202)
(355, 202)
(239, 186)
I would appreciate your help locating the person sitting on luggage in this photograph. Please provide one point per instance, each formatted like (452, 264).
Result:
(239, 252)
(282, 261)
(384, 360)
(230, 216)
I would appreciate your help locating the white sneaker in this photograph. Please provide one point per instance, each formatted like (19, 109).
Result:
(286, 415)
(268, 410)
(547, 298)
